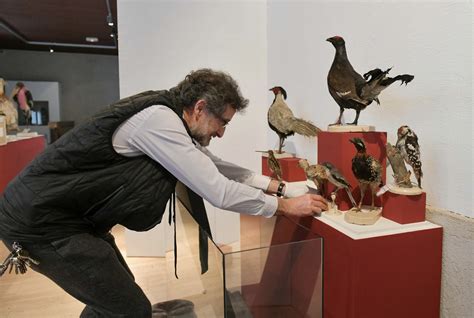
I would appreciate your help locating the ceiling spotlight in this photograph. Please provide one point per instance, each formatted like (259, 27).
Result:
(92, 39)
(112, 35)
(51, 50)
(110, 22)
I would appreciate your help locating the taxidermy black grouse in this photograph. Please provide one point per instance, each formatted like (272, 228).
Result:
(349, 89)
(407, 145)
(283, 122)
(366, 169)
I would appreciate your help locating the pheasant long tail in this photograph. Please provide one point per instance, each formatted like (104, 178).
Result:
(305, 128)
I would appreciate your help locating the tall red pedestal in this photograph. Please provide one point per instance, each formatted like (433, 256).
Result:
(335, 147)
(290, 170)
(14, 156)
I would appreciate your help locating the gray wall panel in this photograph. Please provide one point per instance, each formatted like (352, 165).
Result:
(87, 81)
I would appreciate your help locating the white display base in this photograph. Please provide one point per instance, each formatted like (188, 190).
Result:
(333, 211)
(405, 191)
(24, 135)
(350, 128)
(13, 138)
(383, 227)
(366, 216)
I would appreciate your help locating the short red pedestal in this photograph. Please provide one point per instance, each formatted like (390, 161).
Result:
(404, 209)
(14, 156)
(335, 147)
(290, 169)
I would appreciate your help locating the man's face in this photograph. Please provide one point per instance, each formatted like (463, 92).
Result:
(204, 125)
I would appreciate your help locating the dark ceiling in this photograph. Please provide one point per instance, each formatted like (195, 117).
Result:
(61, 25)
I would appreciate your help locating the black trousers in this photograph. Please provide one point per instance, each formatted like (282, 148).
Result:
(91, 269)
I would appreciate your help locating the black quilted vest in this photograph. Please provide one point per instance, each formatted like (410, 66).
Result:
(80, 184)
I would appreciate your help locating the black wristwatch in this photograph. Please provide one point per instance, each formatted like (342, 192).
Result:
(279, 192)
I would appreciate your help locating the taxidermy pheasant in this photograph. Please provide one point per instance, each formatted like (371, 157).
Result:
(338, 180)
(283, 122)
(407, 145)
(366, 169)
(349, 89)
(316, 173)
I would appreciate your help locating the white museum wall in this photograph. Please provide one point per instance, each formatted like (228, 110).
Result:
(431, 40)
(161, 41)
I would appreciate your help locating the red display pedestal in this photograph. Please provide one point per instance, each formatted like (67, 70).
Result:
(383, 270)
(404, 209)
(15, 155)
(290, 170)
(335, 147)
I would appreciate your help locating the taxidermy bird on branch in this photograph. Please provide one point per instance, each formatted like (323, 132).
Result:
(366, 169)
(349, 89)
(283, 122)
(273, 164)
(407, 145)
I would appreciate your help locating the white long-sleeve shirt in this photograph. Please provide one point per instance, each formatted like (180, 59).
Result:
(159, 133)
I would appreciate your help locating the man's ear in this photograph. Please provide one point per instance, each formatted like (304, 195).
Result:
(200, 107)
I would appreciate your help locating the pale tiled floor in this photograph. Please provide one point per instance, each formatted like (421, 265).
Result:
(33, 295)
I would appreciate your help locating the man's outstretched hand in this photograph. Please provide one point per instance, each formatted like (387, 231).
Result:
(305, 205)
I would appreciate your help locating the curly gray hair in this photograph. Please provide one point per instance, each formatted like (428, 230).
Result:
(217, 88)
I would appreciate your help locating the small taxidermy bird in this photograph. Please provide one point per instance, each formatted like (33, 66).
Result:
(316, 173)
(366, 169)
(274, 165)
(407, 145)
(338, 180)
(349, 89)
(283, 122)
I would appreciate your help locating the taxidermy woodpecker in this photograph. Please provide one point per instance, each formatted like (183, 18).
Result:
(338, 180)
(407, 145)
(283, 122)
(316, 173)
(366, 169)
(349, 89)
